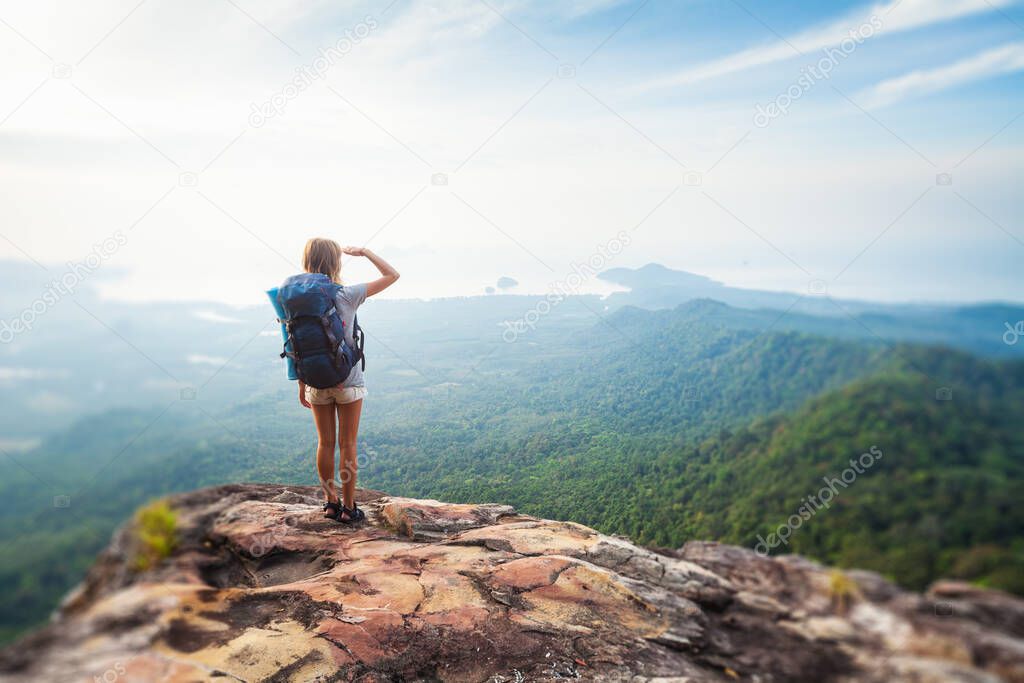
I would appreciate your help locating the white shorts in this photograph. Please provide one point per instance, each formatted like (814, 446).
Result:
(322, 397)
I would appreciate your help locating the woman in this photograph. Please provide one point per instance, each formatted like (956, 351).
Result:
(336, 410)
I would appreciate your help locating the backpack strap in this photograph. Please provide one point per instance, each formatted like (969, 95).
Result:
(325, 322)
(287, 322)
(360, 339)
(285, 353)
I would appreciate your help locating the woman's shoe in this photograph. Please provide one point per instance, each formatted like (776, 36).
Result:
(351, 516)
(333, 510)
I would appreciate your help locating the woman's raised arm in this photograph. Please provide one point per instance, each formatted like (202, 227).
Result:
(388, 274)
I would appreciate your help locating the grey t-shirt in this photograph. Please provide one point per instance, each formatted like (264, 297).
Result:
(348, 299)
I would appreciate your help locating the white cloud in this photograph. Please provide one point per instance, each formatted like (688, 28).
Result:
(17, 375)
(894, 16)
(201, 359)
(215, 317)
(49, 402)
(424, 31)
(1000, 60)
(19, 445)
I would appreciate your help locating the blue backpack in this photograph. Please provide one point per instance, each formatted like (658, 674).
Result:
(315, 349)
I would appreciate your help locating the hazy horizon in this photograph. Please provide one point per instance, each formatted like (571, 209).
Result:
(110, 285)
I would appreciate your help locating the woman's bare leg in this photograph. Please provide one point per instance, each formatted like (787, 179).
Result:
(323, 418)
(348, 431)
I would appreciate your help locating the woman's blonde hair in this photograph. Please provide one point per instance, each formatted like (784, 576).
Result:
(323, 256)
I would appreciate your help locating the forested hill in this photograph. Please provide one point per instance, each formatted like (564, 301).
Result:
(941, 500)
(699, 422)
(978, 328)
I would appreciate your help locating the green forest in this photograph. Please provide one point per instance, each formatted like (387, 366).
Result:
(664, 426)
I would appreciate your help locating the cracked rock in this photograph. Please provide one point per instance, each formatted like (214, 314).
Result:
(262, 588)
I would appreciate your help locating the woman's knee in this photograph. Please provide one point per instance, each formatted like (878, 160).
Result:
(327, 444)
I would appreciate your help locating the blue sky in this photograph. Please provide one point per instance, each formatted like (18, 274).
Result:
(555, 125)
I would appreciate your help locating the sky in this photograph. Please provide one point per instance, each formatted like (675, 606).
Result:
(875, 148)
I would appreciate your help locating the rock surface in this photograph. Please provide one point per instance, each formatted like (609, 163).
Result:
(261, 588)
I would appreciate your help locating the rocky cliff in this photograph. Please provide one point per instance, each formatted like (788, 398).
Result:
(260, 588)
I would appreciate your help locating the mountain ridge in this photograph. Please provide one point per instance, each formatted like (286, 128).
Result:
(655, 276)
